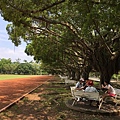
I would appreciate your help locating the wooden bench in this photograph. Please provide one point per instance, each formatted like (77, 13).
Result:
(115, 99)
(117, 96)
(63, 77)
(79, 95)
(67, 81)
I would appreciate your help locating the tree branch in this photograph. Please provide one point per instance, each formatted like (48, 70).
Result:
(35, 11)
(98, 31)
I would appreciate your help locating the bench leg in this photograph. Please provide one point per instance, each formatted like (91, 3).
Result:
(101, 101)
(73, 102)
(77, 99)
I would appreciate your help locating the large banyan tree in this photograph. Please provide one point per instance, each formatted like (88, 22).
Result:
(72, 33)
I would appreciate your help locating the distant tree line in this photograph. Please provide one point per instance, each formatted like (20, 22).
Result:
(26, 68)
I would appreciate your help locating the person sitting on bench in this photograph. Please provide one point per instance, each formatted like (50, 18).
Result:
(90, 87)
(110, 91)
(80, 84)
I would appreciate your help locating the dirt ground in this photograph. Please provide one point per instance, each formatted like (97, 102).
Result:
(12, 89)
(47, 102)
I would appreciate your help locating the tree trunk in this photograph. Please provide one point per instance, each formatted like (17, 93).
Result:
(86, 72)
(104, 64)
(73, 75)
(105, 77)
(77, 75)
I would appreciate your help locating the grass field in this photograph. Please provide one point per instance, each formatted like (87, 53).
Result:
(5, 77)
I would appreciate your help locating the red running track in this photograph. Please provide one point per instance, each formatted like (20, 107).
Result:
(11, 90)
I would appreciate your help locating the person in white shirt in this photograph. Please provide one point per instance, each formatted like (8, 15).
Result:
(80, 84)
(110, 91)
(90, 87)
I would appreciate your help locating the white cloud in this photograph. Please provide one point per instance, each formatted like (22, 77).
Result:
(14, 54)
(7, 49)
(3, 35)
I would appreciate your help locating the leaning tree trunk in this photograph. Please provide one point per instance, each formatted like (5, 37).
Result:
(69, 74)
(77, 75)
(107, 67)
(105, 76)
(104, 63)
(86, 72)
(73, 75)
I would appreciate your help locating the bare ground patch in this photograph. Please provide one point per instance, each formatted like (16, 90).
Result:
(48, 103)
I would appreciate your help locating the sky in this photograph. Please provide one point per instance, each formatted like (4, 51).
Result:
(7, 48)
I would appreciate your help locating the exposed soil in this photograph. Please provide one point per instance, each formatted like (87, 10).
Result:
(47, 102)
(12, 89)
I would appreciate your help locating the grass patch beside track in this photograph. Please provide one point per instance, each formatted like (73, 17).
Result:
(6, 77)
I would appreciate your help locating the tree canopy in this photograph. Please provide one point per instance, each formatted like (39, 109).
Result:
(73, 34)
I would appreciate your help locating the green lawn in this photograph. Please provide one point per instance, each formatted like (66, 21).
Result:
(5, 77)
